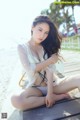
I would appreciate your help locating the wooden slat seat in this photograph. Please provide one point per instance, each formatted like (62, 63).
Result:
(66, 109)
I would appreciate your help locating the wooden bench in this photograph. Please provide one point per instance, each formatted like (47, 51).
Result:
(62, 110)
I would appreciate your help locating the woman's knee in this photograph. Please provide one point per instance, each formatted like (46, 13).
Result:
(17, 102)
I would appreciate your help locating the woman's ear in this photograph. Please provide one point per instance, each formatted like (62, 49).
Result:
(32, 28)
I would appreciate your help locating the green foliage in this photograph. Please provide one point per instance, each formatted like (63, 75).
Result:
(71, 43)
(55, 14)
(58, 15)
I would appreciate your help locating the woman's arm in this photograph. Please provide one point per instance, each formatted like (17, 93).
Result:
(49, 96)
(24, 59)
(52, 60)
(35, 67)
(50, 77)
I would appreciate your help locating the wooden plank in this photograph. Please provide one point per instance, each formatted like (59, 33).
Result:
(71, 68)
(77, 117)
(57, 112)
(72, 73)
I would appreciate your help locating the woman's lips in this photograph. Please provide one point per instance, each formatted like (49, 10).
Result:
(40, 39)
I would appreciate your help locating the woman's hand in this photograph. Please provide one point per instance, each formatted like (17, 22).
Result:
(52, 98)
(49, 100)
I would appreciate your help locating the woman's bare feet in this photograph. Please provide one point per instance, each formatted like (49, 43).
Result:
(54, 98)
(60, 97)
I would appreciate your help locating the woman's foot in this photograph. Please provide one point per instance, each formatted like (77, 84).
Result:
(57, 97)
(61, 96)
(77, 95)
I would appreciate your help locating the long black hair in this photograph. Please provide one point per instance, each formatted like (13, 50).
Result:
(52, 43)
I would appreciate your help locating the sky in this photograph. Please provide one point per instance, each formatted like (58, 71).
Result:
(16, 17)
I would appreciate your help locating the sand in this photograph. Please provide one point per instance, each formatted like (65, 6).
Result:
(8, 63)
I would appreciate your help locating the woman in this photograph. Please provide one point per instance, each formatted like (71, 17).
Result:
(39, 57)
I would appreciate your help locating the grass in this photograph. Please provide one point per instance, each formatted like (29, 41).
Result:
(71, 43)
(70, 49)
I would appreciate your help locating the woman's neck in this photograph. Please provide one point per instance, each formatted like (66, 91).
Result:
(33, 43)
(36, 47)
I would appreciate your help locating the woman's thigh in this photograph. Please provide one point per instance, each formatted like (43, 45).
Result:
(67, 84)
(31, 91)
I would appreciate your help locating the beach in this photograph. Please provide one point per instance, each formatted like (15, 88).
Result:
(7, 61)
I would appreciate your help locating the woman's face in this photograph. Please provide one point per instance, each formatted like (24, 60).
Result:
(40, 32)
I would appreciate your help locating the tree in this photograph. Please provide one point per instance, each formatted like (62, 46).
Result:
(67, 19)
(70, 3)
(45, 12)
(54, 13)
(58, 15)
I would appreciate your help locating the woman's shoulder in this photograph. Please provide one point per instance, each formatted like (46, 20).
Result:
(22, 46)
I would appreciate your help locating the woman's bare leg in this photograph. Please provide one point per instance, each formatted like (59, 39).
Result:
(32, 98)
(67, 85)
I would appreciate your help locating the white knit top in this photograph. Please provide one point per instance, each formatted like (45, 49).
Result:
(29, 62)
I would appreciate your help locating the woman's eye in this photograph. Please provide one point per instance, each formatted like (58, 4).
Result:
(46, 33)
(40, 30)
